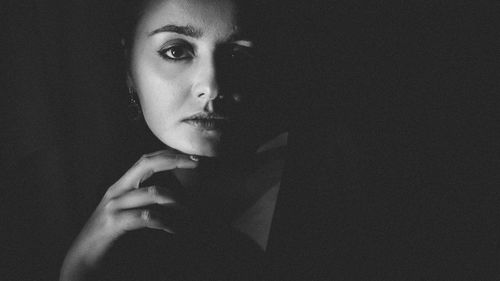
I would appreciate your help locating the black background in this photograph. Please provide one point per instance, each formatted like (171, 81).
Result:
(392, 168)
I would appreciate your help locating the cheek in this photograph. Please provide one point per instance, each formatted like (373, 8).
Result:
(163, 92)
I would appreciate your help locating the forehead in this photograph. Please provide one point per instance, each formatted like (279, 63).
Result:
(216, 17)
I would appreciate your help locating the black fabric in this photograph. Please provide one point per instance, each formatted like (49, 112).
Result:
(155, 255)
(205, 246)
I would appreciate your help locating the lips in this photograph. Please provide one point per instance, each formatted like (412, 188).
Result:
(206, 121)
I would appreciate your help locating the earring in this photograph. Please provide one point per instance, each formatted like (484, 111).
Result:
(237, 97)
(134, 109)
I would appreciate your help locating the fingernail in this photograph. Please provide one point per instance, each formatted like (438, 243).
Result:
(194, 158)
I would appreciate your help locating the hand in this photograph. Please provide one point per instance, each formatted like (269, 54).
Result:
(124, 207)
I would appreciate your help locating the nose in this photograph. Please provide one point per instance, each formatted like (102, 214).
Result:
(205, 86)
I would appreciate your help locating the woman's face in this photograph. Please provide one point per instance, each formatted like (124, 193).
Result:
(175, 70)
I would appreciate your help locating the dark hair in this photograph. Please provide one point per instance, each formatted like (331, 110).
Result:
(128, 13)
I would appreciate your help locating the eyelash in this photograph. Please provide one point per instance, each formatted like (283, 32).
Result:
(241, 52)
(187, 50)
(235, 52)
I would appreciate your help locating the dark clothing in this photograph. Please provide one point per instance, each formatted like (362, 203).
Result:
(155, 255)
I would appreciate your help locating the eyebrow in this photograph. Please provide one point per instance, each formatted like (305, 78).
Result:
(186, 30)
(244, 43)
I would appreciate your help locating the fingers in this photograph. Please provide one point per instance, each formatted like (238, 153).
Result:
(141, 218)
(142, 208)
(126, 207)
(149, 164)
(141, 197)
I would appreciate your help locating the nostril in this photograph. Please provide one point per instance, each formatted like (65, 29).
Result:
(201, 95)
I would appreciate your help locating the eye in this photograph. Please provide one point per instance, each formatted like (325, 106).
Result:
(236, 55)
(237, 52)
(177, 52)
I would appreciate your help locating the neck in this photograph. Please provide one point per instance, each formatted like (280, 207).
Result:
(189, 178)
(214, 186)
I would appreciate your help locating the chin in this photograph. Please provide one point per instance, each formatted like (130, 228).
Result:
(195, 144)
(203, 149)
(200, 149)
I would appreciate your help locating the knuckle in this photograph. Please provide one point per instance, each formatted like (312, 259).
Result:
(147, 174)
(133, 221)
(107, 196)
(144, 158)
(153, 191)
(127, 223)
(110, 205)
(110, 192)
(111, 220)
(145, 215)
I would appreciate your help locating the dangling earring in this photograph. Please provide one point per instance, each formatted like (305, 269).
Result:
(134, 109)
(237, 97)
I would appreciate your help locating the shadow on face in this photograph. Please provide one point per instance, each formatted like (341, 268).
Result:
(197, 75)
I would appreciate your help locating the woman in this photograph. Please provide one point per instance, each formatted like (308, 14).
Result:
(202, 207)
